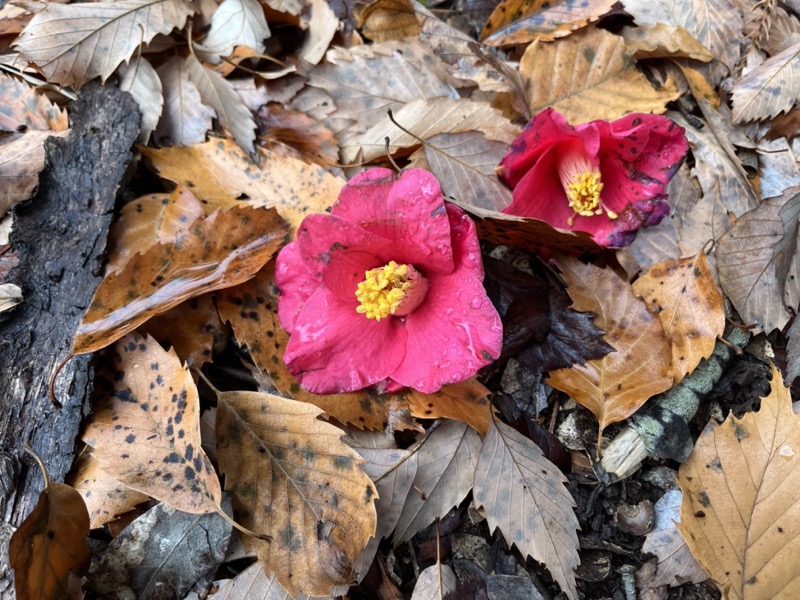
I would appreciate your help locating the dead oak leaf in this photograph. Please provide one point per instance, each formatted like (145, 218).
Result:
(220, 251)
(292, 477)
(74, 43)
(688, 303)
(146, 432)
(740, 507)
(615, 386)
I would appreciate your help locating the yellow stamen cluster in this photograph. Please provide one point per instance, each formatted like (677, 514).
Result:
(581, 182)
(382, 291)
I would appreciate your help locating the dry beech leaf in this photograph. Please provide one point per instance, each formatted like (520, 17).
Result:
(217, 93)
(754, 259)
(685, 297)
(146, 432)
(771, 88)
(292, 477)
(252, 310)
(141, 81)
(320, 27)
(74, 43)
(366, 81)
(716, 24)
(589, 76)
(424, 118)
(193, 329)
(21, 160)
(524, 496)
(150, 220)
(522, 21)
(185, 119)
(615, 386)
(676, 565)
(312, 140)
(106, 498)
(29, 110)
(445, 465)
(664, 41)
(386, 20)
(251, 584)
(467, 401)
(220, 251)
(464, 163)
(435, 583)
(234, 23)
(48, 551)
(740, 505)
(219, 172)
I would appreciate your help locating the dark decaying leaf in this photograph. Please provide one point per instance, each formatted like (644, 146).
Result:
(162, 554)
(538, 325)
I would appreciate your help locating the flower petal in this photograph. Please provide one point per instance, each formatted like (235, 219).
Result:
(295, 281)
(407, 211)
(334, 349)
(457, 330)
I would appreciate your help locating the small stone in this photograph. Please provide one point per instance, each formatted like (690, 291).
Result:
(636, 519)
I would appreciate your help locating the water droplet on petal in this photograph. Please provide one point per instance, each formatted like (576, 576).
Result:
(476, 302)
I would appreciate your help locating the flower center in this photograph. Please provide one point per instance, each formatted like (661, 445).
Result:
(390, 290)
(581, 182)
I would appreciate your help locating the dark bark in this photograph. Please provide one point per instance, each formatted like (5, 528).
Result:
(60, 236)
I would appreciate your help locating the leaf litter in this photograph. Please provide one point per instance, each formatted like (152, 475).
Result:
(246, 131)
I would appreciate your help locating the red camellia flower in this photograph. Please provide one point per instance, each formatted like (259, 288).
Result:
(604, 178)
(386, 290)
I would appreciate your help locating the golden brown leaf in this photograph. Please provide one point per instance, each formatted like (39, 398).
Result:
(305, 135)
(292, 477)
(740, 504)
(615, 386)
(688, 303)
(589, 76)
(25, 109)
(220, 251)
(251, 309)
(48, 550)
(106, 498)
(219, 172)
(386, 20)
(150, 220)
(146, 433)
(664, 41)
(522, 21)
(467, 401)
(74, 43)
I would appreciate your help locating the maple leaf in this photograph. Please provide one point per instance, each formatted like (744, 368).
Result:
(74, 43)
(529, 502)
(740, 503)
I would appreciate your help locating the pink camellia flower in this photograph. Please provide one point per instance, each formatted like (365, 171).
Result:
(386, 290)
(604, 178)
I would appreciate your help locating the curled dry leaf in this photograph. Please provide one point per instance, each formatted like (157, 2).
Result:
(74, 43)
(664, 41)
(522, 21)
(740, 507)
(688, 303)
(29, 110)
(106, 498)
(387, 20)
(48, 551)
(251, 309)
(445, 464)
(220, 173)
(771, 88)
(589, 76)
(150, 220)
(615, 386)
(234, 23)
(146, 432)
(141, 81)
(167, 274)
(524, 496)
(292, 477)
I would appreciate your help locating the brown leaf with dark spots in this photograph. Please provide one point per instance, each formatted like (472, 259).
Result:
(306, 136)
(48, 551)
(146, 433)
(467, 401)
(252, 311)
(615, 386)
(220, 251)
(24, 108)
